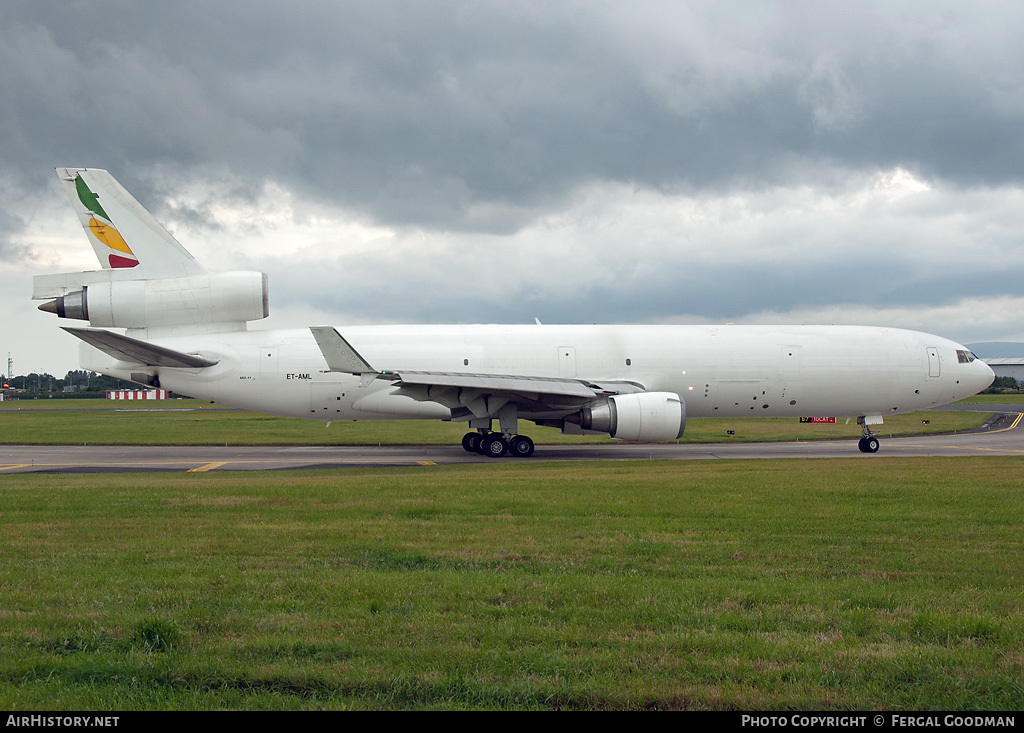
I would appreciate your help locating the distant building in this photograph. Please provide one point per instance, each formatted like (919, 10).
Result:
(1007, 367)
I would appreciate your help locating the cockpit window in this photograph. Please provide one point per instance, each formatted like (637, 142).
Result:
(964, 356)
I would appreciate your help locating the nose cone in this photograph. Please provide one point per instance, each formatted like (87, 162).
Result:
(982, 377)
(972, 374)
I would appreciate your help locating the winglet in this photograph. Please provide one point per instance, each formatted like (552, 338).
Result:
(338, 352)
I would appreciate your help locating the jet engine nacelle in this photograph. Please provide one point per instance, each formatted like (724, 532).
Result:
(643, 417)
(225, 297)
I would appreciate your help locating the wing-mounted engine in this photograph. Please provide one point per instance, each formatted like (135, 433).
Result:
(219, 301)
(642, 417)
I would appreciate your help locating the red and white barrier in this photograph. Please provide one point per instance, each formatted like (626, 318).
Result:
(137, 394)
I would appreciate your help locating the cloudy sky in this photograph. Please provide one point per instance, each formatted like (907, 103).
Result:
(621, 162)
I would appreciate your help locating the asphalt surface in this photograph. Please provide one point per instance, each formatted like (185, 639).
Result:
(1002, 435)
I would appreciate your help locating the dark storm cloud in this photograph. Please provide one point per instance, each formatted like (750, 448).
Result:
(578, 161)
(729, 291)
(478, 115)
(10, 227)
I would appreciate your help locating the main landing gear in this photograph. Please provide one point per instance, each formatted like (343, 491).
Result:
(495, 445)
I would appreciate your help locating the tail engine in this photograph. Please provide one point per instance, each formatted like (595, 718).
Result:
(209, 298)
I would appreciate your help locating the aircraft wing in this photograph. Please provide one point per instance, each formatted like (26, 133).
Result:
(340, 355)
(479, 394)
(492, 382)
(132, 350)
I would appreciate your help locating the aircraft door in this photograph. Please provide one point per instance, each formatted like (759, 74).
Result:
(566, 361)
(325, 399)
(934, 366)
(790, 374)
(269, 361)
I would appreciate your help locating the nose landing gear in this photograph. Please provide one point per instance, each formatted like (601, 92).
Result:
(869, 443)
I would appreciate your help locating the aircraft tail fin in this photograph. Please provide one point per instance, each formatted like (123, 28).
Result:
(149, 283)
(122, 233)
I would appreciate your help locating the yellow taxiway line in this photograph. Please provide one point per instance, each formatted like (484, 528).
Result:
(197, 469)
(207, 467)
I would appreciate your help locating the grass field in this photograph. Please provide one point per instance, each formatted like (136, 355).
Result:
(891, 583)
(80, 421)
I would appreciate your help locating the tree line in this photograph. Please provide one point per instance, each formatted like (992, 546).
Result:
(1001, 383)
(76, 383)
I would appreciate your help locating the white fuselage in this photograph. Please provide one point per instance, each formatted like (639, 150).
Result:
(719, 371)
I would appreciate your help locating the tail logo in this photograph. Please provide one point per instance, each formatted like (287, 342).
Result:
(104, 230)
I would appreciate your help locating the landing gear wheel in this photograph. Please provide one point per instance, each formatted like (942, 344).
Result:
(521, 446)
(470, 441)
(868, 445)
(493, 446)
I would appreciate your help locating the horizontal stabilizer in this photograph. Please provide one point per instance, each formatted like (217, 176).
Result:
(338, 352)
(128, 349)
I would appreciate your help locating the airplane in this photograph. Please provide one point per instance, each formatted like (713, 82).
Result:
(186, 330)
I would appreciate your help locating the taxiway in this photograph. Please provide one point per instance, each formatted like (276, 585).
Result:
(1004, 435)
